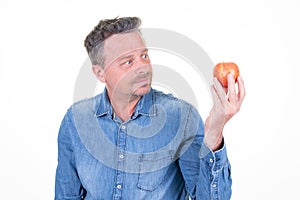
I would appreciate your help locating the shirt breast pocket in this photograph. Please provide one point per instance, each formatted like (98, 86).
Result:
(154, 169)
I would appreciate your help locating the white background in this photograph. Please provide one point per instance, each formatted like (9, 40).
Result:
(41, 53)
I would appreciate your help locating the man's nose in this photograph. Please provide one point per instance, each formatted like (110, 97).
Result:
(143, 66)
(143, 69)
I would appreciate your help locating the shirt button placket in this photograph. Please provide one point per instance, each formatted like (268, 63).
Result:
(120, 164)
(214, 185)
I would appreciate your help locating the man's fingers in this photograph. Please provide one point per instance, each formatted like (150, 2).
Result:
(241, 88)
(220, 91)
(231, 89)
(215, 96)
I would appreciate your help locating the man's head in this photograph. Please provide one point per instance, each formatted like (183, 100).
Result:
(94, 42)
(119, 56)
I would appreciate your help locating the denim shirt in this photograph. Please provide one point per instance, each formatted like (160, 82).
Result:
(157, 154)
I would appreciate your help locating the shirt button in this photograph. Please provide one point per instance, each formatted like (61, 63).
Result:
(123, 127)
(121, 156)
(211, 160)
(214, 185)
(119, 186)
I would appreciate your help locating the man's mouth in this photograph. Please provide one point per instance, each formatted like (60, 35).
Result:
(144, 80)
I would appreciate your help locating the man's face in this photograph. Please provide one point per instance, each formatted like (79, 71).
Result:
(127, 70)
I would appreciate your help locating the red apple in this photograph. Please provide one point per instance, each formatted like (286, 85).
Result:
(222, 70)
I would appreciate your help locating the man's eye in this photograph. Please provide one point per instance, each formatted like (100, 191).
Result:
(145, 56)
(128, 62)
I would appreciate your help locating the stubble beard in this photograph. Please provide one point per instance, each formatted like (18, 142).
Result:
(145, 87)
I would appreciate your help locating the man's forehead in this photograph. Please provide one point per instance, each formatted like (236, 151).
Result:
(122, 44)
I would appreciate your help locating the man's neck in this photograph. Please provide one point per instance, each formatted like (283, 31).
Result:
(124, 107)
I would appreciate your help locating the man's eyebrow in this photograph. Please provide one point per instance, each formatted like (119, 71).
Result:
(125, 57)
(144, 50)
(130, 55)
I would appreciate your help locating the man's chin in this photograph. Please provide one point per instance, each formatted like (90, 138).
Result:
(142, 90)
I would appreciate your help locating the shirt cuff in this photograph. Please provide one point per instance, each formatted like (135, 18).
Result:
(215, 159)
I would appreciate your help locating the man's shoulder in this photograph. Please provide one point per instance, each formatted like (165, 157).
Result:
(168, 99)
(88, 100)
(173, 103)
(89, 103)
(176, 107)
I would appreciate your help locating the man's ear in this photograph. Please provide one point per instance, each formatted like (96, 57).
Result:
(99, 72)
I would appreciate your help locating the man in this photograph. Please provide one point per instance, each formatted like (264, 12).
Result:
(133, 142)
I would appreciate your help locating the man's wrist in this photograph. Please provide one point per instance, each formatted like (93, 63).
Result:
(214, 143)
(219, 145)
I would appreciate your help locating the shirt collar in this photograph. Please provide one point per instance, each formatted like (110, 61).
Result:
(102, 105)
(146, 105)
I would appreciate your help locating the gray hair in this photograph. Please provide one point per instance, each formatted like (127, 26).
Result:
(94, 42)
